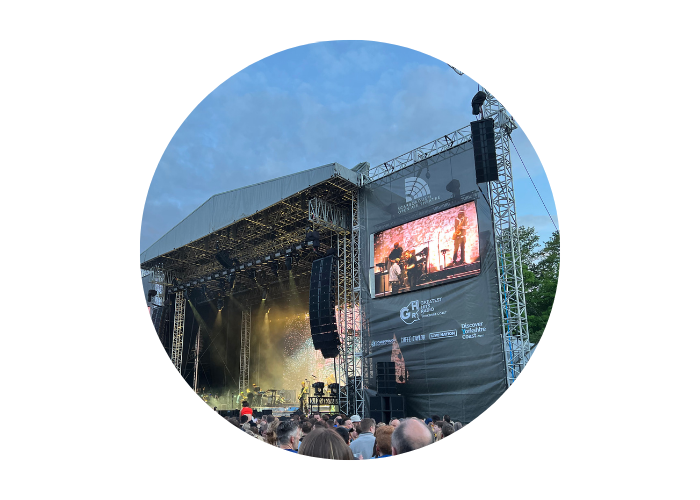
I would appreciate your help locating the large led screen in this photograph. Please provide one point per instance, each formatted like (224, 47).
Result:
(430, 251)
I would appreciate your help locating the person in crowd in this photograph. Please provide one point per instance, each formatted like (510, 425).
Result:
(326, 418)
(382, 445)
(458, 426)
(411, 435)
(380, 424)
(319, 423)
(338, 421)
(325, 443)
(306, 428)
(446, 418)
(447, 429)
(246, 409)
(317, 416)
(288, 434)
(271, 434)
(394, 422)
(354, 433)
(363, 445)
(343, 433)
(348, 425)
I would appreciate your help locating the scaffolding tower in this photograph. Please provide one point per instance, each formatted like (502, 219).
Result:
(178, 330)
(516, 336)
(245, 350)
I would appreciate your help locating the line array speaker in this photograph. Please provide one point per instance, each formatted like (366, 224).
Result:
(484, 141)
(386, 377)
(386, 407)
(324, 329)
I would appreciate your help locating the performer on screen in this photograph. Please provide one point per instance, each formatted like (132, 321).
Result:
(395, 253)
(412, 270)
(459, 237)
(394, 276)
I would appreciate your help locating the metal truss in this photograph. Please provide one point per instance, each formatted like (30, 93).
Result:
(178, 330)
(516, 336)
(352, 327)
(196, 359)
(327, 215)
(419, 154)
(245, 350)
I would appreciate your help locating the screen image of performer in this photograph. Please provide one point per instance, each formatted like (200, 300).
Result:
(412, 270)
(459, 237)
(395, 253)
(394, 275)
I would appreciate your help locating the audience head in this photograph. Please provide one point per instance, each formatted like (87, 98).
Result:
(245, 404)
(325, 443)
(368, 425)
(306, 427)
(343, 433)
(380, 424)
(394, 423)
(244, 419)
(348, 424)
(410, 435)
(447, 429)
(383, 440)
(288, 434)
(270, 419)
(446, 418)
(458, 426)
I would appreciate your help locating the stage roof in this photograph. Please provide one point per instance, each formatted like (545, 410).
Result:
(252, 222)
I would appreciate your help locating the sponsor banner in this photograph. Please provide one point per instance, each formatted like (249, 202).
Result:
(445, 339)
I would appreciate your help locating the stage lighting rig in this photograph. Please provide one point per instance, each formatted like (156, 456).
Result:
(274, 267)
(219, 304)
(288, 262)
(335, 389)
(151, 294)
(318, 388)
(264, 294)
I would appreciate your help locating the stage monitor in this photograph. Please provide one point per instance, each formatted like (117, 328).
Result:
(433, 250)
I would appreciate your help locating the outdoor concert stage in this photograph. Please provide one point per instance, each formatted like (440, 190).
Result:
(416, 284)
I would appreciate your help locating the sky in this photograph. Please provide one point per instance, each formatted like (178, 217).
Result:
(342, 101)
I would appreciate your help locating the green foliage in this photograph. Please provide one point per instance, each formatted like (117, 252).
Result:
(540, 277)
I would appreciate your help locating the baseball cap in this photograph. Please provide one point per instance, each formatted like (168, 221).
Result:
(355, 418)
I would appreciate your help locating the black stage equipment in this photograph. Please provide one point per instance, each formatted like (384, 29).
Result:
(386, 377)
(151, 294)
(318, 388)
(453, 187)
(484, 141)
(224, 259)
(477, 101)
(335, 389)
(314, 238)
(264, 294)
(288, 262)
(324, 329)
(385, 408)
(219, 304)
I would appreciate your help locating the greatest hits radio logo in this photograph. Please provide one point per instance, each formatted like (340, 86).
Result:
(410, 313)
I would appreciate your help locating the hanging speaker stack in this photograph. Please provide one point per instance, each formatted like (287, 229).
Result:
(484, 141)
(324, 329)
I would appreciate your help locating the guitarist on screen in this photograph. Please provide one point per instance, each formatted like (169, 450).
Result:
(459, 237)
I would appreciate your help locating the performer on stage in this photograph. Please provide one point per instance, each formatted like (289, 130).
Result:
(302, 397)
(459, 237)
(394, 275)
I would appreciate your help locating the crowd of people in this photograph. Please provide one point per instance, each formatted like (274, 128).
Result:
(342, 437)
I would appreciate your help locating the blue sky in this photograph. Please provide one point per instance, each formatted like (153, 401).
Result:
(343, 102)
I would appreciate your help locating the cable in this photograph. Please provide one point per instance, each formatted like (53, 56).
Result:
(533, 182)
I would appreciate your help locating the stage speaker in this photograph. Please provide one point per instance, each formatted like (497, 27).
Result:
(324, 329)
(386, 377)
(236, 413)
(396, 403)
(266, 412)
(378, 416)
(375, 403)
(484, 141)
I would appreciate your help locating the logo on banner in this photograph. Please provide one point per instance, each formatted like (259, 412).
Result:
(410, 313)
(473, 330)
(443, 335)
(416, 188)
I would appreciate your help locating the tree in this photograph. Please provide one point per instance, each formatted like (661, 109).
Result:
(540, 277)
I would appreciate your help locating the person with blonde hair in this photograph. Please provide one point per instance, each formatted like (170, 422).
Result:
(325, 443)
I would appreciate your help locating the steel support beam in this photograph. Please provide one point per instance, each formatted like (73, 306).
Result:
(516, 337)
(245, 350)
(178, 330)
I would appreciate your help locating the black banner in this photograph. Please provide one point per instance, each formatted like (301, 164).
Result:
(445, 339)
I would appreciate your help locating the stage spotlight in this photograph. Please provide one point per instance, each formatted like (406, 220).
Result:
(216, 275)
(278, 254)
(151, 294)
(201, 280)
(288, 262)
(298, 247)
(219, 304)
(268, 257)
(208, 278)
(258, 261)
(264, 294)
(335, 389)
(204, 290)
(249, 264)
(318, 388)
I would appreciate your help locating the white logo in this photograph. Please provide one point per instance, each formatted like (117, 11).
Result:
(409, 314)
(416, 188)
